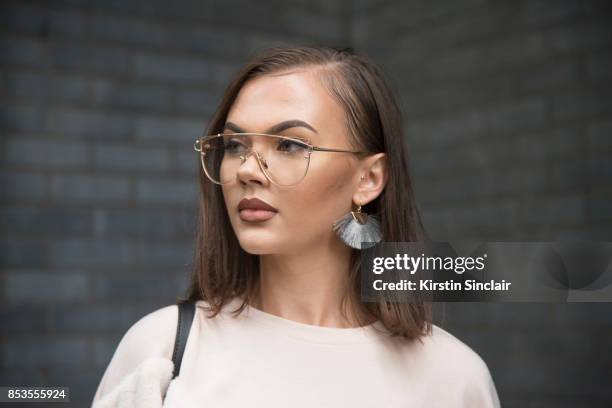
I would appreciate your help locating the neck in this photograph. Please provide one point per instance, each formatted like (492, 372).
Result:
(306, 287)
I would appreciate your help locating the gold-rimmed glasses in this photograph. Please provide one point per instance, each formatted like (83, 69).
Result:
(283, 159)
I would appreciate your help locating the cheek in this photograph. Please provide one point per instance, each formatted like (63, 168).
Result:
(227, 194)
(324, 193)
(334, 178)
(232, 194)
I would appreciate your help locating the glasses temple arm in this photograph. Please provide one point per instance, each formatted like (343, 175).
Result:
(324, 149)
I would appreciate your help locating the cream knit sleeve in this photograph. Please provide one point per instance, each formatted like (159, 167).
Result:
(145, 387)
(140, 354)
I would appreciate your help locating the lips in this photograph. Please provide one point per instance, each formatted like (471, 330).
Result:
(255, 204)
(254, 209)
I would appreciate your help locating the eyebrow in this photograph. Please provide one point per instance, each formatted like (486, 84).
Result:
(279, 127)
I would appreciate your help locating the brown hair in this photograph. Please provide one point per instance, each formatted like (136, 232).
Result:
(222, 269)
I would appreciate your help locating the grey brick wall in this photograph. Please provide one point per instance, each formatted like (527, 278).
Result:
(508, 120)
(508, 116)
(102, 101)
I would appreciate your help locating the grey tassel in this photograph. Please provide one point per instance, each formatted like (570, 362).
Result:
(356, 234)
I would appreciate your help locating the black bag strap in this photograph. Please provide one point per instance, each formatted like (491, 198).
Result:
(186, 312)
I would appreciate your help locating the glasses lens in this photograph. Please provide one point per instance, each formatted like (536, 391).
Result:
(284, 160)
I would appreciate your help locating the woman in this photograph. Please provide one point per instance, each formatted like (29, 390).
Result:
(304, 136)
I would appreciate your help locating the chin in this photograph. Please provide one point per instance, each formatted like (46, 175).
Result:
(256, 248)
(256, 244)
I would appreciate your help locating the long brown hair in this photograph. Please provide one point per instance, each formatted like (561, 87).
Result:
(222, 269)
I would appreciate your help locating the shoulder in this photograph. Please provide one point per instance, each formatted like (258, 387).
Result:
(461, 370)
(453, 353)
(150, 336)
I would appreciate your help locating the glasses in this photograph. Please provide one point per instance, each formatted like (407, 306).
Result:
(284, 160)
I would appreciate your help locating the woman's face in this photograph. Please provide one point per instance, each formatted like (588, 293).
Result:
(306, 210)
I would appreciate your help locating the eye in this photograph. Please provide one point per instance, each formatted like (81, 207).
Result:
(233, 146)
(291, 146)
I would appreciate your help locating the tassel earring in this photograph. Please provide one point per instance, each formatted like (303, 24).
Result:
(358, 230)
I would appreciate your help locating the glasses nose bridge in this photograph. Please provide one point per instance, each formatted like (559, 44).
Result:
(258, 157)
(261, 162)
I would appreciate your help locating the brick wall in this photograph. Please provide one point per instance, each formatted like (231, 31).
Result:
(508, 124)
(102, 101)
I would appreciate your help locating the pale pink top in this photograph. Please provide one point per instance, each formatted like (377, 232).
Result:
(262, 360)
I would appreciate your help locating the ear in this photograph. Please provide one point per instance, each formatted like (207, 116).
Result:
(374, 171)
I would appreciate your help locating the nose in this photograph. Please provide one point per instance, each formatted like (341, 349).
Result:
(251, 168)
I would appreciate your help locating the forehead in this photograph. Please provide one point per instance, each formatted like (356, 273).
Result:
(267, 100)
